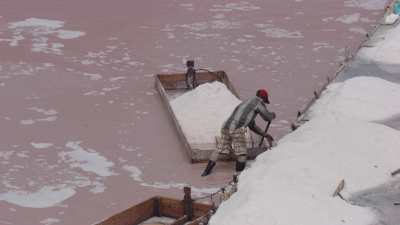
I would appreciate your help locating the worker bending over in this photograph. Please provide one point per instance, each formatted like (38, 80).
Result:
(233, 131)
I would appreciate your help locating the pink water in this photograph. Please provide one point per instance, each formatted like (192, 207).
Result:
(97, 91)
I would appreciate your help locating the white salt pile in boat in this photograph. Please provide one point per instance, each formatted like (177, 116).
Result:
(158, 221)
(202, 111)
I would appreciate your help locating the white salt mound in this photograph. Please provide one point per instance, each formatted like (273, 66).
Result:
(300, 175)
(363, 98)
(385, 51)
(202, 111)
(391, 19)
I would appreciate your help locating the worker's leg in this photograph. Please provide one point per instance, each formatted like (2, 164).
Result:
(223, 146)
(239, 148)
(209, 167)
(241, 163)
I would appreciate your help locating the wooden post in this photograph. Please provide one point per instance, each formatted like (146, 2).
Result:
(235, 178)
(299, 114)
(316, 95)
(156, 207)
(188, 203)
(339, 188)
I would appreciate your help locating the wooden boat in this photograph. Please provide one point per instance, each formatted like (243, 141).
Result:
(179, 212)
(171, 86)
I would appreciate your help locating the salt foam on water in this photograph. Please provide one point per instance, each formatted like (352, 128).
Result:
(202, 111)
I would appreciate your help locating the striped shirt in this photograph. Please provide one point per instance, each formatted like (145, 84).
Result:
(246, 112)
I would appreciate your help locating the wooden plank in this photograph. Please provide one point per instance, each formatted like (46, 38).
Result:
(201, 209)
(132, 216)
(164, 99)
(174, 208)
(227, 82)
(178, 81)
(167, 207)
(211, 76)
(171, 208)
(156, 207)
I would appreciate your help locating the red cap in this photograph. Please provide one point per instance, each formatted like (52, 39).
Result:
(262, 93)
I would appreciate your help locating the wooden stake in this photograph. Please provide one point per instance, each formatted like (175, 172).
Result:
(339, 188)
(316, 95)
(188, 202)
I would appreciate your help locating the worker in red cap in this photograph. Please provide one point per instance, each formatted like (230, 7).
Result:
(233, 131)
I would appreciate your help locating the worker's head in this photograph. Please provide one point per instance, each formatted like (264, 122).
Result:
(263, 94)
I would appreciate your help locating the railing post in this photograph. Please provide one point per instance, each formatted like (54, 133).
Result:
(188, 203)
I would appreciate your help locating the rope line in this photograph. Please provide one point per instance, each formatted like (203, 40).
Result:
(203, 220)
(223, 194)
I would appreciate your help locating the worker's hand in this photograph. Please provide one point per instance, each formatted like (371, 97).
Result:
(273, 115)
(269, 138)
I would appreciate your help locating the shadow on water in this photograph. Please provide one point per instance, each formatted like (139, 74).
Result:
(384, 199)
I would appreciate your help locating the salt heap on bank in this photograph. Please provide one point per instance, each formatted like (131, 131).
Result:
(294, 182)
(386, 50)
(202, 111)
